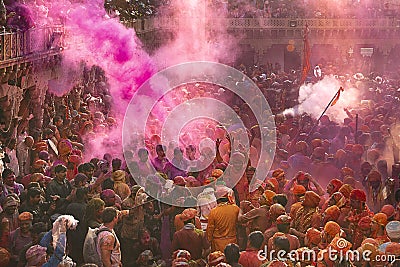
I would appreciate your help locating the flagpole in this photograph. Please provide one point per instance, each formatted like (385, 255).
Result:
(305, 69)
(306, 66)
(323, 113)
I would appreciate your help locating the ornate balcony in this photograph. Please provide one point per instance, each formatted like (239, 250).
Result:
(148, 25)
(262, 33)
(36, 43)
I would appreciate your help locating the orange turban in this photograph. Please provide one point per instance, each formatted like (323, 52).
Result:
(39, 163)
(217, 173)
(188, 214)
(215, 257)
(299, 190)
(359, 195)
(25, 216)
(313, 236)
(333, 212)
(273, 183)
(393, 248)
(388, 210)
(380, 218)
(332, 228)
(268, 194)
(283, 219)
(277, 210)
(311, 199)
(346, 190)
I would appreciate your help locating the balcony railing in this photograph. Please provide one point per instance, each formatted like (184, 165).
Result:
(31, 43)
(148, 25)
(313, 23)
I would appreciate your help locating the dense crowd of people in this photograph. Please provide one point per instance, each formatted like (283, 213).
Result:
(70, 196)
(332, 186)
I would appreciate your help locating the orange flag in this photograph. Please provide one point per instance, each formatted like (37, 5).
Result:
(306, 57)
(337, 96)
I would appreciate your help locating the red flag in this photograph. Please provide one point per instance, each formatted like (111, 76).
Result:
(337, 96)
(306, 57)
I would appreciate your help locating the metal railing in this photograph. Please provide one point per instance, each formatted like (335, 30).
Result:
(33, 42)
(148, 25)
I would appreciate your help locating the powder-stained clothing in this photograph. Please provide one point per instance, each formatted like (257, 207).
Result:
(159, 164)
(354, 216)
(132, 222)
(108, 240)
(294, 208)
(18, 241)
(259, 219)
(270, 233)
(306, 217)
(190, 239)
(242, 188)
(221, 228)
(293, 241)
(249, 258)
